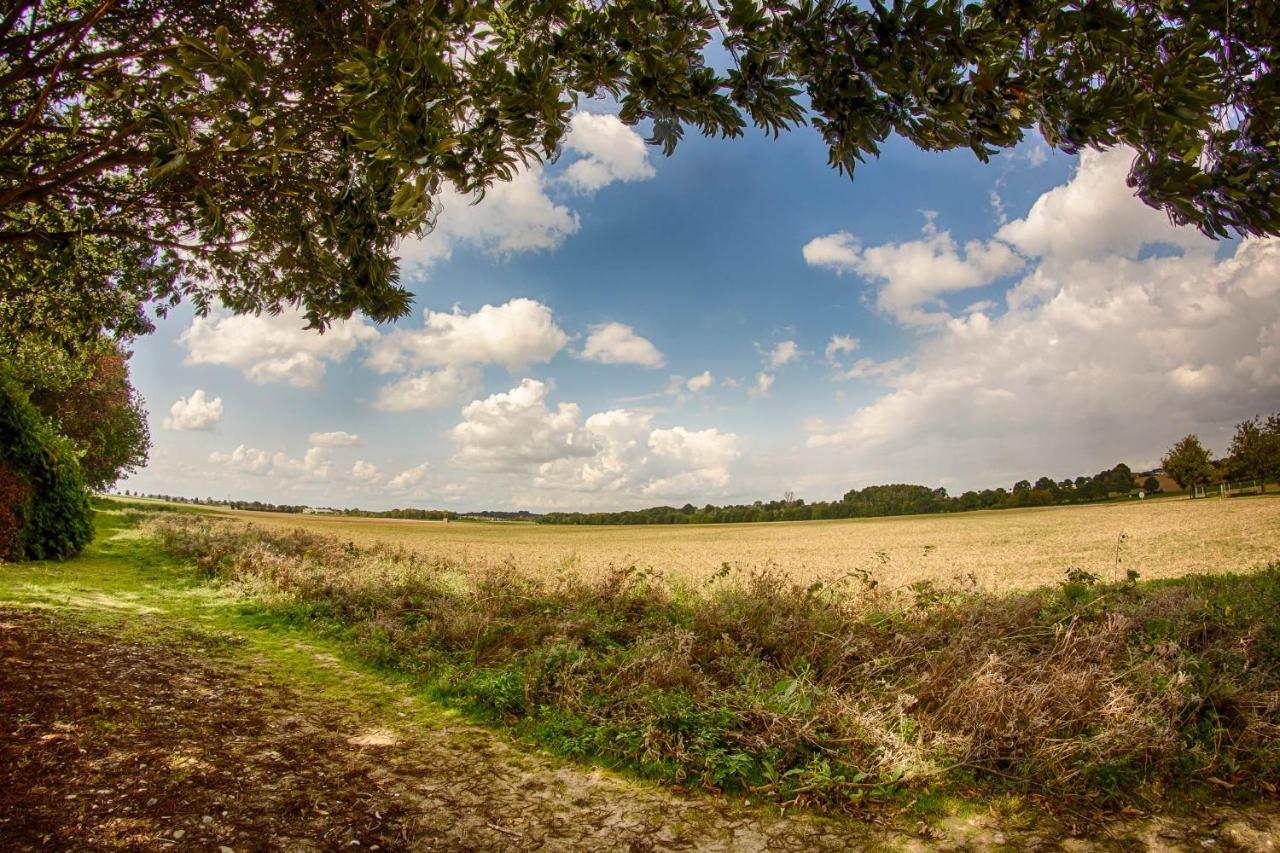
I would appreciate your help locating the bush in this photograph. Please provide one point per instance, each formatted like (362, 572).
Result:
(837, 694)
(44, 508)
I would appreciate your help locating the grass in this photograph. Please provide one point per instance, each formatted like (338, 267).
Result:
(840, 696)
(1003, 550)
(837, 694)
(124, 582)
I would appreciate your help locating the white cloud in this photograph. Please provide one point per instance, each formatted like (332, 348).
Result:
(520, 215)
(514, 430)
(617, 343)
(195, 413)
(334, 439)
(409, 478)
(1096, 214)
(365, 472)
(611, 152)
(457, 345)
(513, 216)
(617, 451)
(430, 389)
(701, 382)
(839, 345)
(1103, 350)
(515, 334)
(763, 382)
(261, 463)
(268, 348)
(915, 274)
(784, 353)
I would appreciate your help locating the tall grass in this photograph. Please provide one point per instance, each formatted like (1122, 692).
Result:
(834, 693)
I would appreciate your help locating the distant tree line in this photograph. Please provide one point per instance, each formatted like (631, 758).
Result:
(1254, 456)
(877, 501)
(262, 506)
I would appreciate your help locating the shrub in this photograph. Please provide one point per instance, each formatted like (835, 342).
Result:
(834, 694)
(44, 508)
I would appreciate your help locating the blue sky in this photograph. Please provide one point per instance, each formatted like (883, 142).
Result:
(622, 329)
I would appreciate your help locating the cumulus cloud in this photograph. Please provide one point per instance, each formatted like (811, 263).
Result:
(515, 334)
(764, 381)
(457, 345)
(701, 382)
(618, 451)
(365, 472)
(520, 215)
(194, 413)
(617, 343)
(1103, 350)
(261, 463)
(334, 439)
(839, 345)
(409, 478)
(430, 389)
(914, 275)
(513, 216)
(610, 151)
(268, 348)
(784, 353)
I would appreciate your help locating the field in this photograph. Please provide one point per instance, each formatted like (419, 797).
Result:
(1007, 549)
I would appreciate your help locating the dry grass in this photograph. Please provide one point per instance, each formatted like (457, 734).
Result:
(1007, 549)
(836, 695)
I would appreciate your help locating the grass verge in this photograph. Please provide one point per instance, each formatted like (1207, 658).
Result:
(833, 694)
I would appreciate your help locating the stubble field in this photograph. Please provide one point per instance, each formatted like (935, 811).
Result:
(1008, 549)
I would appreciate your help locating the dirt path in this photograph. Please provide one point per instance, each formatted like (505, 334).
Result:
(111, 744)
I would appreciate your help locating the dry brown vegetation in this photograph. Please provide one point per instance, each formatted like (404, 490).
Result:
(1006, 549)
(837, 694)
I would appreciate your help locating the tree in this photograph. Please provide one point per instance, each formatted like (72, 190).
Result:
(275, 153)
(1255, 450)
(1151, 485)
(44, 510)
(1189, 463)
(88, 398)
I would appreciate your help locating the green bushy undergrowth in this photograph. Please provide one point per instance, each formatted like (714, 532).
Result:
(832, 694)
(44, 507)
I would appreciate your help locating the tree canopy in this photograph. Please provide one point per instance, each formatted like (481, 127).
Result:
(88, 398)
(274, 153)
(1189, 463)
(1255, 449)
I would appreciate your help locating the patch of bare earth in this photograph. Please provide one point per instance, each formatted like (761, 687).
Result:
(109, 744)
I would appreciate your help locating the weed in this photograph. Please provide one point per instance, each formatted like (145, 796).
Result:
(834, 693)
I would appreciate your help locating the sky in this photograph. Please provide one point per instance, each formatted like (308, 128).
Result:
(622, 329)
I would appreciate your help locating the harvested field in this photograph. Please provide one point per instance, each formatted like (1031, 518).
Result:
(1007, 549)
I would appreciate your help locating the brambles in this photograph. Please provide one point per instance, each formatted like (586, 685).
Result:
(837, 694)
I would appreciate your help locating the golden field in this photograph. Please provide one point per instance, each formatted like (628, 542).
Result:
(1002, 549)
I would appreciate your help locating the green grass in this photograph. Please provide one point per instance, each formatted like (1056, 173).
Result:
(124, 582)
(841, 698)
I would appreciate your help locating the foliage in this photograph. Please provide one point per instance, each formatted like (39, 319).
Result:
(1189, 463)
(873, 502)
(836, 694)
(275, 153)
(1255, 450)
(88, 398)
(44, 509)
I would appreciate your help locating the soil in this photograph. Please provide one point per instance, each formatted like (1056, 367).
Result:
(111, 744)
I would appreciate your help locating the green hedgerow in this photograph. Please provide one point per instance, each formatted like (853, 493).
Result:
(44, 507)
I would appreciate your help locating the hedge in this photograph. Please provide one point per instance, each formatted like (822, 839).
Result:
(44, 507)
